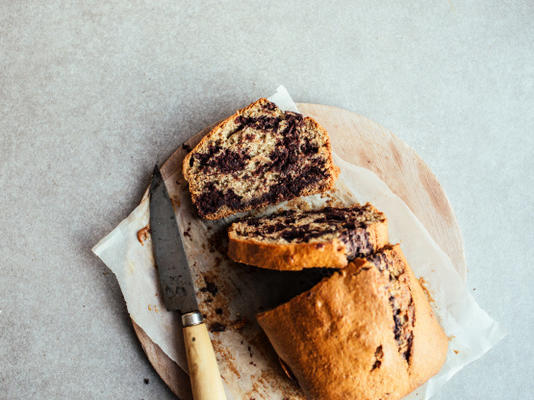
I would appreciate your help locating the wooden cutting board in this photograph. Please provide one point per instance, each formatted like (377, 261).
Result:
(362, 142)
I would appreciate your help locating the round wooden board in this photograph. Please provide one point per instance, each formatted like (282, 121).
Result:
(362, 142)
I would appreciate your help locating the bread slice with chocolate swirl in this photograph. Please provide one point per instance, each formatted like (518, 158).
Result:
(259, 156)
(366, 332)
(293, 240)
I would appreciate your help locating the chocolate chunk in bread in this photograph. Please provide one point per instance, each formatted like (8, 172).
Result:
(259, 156)
(293, 240)
(366, 332)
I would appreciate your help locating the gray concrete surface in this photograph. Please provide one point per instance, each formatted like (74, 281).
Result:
(93, 93)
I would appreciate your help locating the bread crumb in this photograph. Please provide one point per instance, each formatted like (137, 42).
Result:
(143, 234)
(423, 284)
(175, 203)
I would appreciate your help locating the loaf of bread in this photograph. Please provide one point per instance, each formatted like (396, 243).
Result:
(293, 240)
(367, 332)
(261, 155)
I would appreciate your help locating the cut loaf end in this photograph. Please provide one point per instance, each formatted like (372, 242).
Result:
(259, 156)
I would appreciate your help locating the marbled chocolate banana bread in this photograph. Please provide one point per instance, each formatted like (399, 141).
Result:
(367, 332)
(293, 240)
(259, 156)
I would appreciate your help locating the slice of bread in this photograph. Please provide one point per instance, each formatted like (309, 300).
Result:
(293, 240)
(366, 332)
(259, 156)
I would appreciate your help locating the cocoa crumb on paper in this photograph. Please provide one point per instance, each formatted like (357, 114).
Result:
(187, 232)
(210, 287)
(217, 327)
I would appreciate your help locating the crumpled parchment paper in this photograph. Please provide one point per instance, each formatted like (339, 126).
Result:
(231, 294)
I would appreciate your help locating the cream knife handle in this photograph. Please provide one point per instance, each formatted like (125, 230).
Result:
(206, 382)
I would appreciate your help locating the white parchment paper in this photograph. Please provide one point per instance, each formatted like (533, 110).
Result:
(247, 366)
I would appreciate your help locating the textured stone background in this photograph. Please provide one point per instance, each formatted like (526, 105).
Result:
(93, 93)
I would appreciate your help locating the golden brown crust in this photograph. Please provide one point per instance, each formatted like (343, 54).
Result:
(225, 211)
(297, 256)
(428, 355)
(287, 257)
(338, 338)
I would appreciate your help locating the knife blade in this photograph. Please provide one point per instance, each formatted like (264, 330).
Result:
(176, 283)
(178, 293)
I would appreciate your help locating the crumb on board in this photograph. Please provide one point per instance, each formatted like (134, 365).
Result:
(456, 351)
(186, 147)
(143, 234)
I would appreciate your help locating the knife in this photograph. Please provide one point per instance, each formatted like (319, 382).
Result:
(178, 292)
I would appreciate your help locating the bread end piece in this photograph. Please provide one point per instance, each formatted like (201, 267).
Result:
(258, 109)
(339, 338)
